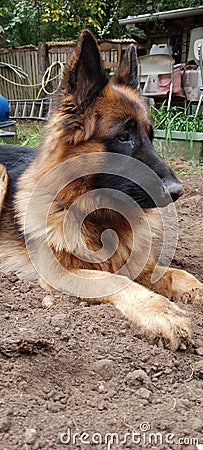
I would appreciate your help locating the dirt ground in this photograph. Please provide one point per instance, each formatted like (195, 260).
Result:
(80, 377)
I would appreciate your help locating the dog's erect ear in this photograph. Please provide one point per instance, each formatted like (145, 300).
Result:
(127, 71)
(84, 76)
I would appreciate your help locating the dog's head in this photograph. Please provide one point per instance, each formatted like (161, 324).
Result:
(98, 115)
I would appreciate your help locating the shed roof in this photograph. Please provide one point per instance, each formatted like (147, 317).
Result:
(164, 15)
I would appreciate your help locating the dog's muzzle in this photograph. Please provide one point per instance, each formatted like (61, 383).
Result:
(174, 188)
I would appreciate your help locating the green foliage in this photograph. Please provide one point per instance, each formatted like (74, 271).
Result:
(175, 119)
(151, 6)
(29, 132)
(31, 21)
(75, 14)
(3, 11)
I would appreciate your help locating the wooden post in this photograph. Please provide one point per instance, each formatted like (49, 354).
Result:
(43, 62)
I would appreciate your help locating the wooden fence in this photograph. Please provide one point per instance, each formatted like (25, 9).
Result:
(34, 61)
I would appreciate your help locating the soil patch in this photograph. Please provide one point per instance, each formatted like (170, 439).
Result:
(80, 377)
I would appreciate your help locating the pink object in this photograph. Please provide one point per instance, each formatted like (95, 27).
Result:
(164, 82)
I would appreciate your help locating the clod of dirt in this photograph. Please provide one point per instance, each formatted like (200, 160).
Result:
(104, 367)
(196, 424)
(101, 388)
(5, 422)
(59, 320)
(182, 346)
(144, 393)
(199, 351)
(198, 369)
(47, 302)
(138, 378)
(30, 435)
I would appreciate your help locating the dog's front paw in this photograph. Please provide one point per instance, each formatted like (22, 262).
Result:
(156, 316)
(194, 295)
(168, 322)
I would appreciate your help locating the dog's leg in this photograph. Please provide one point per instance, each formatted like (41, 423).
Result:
(175, 283)
(154, 314)
(3, 185)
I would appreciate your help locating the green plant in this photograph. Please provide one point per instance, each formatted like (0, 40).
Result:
(28, 133)
(53, 19)
(176, 119)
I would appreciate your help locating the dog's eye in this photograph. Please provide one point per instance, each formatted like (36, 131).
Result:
(123, 137)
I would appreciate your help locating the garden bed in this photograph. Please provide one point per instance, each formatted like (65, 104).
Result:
(179, 144)
(178, 134)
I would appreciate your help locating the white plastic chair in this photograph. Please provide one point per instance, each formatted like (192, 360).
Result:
(157, 64)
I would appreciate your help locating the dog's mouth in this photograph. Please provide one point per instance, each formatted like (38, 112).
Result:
(145, 194)
(170, 192)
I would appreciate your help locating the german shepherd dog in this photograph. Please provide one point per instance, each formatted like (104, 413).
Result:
(83, 213)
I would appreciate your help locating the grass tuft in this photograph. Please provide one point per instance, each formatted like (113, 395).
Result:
(29, 132)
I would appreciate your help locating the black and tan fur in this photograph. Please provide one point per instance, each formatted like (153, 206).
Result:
(94, 115)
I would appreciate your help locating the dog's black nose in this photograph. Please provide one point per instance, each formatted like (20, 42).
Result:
(174, 188)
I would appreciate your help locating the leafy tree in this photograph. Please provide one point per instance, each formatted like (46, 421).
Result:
(127, 8)
(151, 6)
(30, 21)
